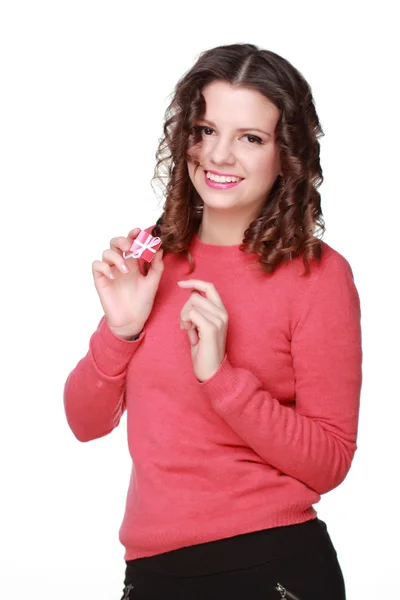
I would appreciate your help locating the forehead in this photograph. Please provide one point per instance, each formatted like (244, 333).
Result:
(226, 103)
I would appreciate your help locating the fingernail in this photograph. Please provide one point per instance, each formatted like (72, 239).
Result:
(124, 268)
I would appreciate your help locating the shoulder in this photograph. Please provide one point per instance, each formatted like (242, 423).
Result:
(330, 283)
(335, 269)
(332, 256)
(331, 266)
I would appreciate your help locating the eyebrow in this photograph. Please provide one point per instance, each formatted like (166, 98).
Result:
(241, 129)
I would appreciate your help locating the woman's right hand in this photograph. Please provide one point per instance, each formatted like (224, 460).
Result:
(125, 294)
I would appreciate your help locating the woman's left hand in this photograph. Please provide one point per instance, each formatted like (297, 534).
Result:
(206, 322)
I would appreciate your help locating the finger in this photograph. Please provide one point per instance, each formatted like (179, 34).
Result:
(120, 244)
(192, 332)
(193, 336)
(203, 320)
(123, 245)
(112, 257)
(204, 304)
(206, 287)
(201, 326)
(102, 269)
(132, 235)
(156, 267)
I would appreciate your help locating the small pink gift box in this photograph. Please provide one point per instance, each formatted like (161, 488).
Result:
(145, 246)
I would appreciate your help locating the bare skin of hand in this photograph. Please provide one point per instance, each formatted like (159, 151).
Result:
(206, 321)
(126, 295)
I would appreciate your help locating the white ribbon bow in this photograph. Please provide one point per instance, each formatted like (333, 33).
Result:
(148, 244)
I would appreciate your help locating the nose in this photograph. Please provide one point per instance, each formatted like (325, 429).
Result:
(221, 152)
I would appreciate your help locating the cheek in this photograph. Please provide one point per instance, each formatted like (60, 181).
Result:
(265, 166)
(259, 167)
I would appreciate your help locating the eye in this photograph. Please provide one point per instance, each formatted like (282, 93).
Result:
(204, 128)
(253, 138)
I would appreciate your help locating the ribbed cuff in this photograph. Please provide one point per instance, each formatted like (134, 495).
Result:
(222, 382)
(112, 340)
(229, 386)
(111, 353)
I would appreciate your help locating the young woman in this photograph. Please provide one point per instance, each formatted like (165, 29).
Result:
(236, 353)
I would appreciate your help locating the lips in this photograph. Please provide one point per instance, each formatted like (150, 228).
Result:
(220, 186)
(222, 174)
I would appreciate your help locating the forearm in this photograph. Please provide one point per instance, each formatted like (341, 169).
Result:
(297, 445)
(93, 402)
(94, 390)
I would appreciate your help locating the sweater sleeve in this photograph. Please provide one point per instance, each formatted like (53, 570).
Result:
(94, 392)
(313, 441)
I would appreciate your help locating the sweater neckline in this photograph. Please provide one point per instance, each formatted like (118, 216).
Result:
(218, 252)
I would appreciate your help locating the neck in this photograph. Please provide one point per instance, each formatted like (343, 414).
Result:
(221, 230)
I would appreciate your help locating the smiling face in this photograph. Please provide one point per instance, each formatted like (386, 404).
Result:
(237, 139)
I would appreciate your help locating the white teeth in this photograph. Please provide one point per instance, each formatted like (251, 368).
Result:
(221, 178)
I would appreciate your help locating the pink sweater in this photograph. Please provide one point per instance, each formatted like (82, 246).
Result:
(256, 445)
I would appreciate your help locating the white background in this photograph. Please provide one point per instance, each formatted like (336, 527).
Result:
(84, 86)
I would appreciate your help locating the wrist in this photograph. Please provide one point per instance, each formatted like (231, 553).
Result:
(131, 338)
(126, 335)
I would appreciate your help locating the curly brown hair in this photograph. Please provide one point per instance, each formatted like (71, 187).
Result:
(291, 215)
